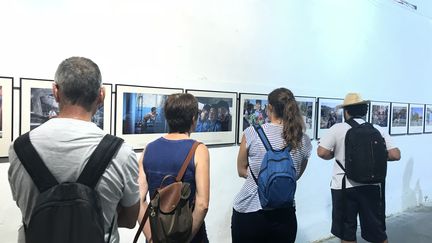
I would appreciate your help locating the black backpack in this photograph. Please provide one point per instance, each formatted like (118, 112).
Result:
(365, 153)
(68, 212)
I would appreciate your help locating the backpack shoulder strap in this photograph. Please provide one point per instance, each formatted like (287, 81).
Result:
(32, 162)
(187, 160)
(352, 122)
(263, 137)
(99, 160)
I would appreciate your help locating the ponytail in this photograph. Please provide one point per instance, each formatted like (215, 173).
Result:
(285, 107)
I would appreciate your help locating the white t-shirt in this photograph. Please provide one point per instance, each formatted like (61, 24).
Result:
(65, 145)
(334, 140)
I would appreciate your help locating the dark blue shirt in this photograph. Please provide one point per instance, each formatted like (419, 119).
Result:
(165, 157)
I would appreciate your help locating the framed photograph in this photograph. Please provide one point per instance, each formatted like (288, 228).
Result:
(6, 116)
(428, 119)
(38, 105)
(140, 117)
(416, 118)
(217, 117)
(328, 114)
(379, 113)
(398, 118)
(252, 111)
(307, 109)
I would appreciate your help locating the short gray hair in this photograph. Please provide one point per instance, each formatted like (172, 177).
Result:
(79, 81)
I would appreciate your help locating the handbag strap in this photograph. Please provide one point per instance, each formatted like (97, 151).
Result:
(186, 161)
(178, 178)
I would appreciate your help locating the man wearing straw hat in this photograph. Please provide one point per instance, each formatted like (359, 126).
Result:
(351, 198)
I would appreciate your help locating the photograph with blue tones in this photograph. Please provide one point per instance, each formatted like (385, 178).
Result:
(143, 113)
(214, 114)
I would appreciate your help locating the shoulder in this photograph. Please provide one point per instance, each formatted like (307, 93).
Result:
(202, 150)
(126, 157)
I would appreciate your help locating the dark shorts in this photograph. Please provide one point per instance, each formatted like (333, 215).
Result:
(278, 225)
(364, 201)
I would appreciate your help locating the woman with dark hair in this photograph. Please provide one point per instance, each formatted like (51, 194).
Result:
(250, 223)
(165, 156)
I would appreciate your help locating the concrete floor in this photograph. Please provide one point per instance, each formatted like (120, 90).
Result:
(411, 226)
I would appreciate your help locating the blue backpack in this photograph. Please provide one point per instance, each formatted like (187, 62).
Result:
(277, 177)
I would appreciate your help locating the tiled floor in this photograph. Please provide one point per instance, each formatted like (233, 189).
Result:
(411, 226)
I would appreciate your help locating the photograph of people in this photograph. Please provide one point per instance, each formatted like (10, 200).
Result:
(399, 116)
(254, 113)
(380, 115)
(329, 115)
(214, 114)
(143, 113)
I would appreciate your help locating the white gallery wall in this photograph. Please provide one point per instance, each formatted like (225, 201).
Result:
(320, 48)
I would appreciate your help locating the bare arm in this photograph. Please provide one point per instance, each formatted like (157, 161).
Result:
(202, 194)
(242, 159)
(142, 180)
(324, 153)
(127, 216)
(394, 154)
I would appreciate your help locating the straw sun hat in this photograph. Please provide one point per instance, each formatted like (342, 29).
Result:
(352, 99)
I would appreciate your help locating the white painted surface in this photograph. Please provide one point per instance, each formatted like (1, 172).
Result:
(322, 48)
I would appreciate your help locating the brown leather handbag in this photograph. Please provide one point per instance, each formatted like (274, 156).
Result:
(169, 211)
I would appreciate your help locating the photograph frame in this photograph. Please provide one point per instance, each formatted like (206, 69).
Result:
(6, 114)
(26, 86)
(218, 137)
(378, 119)
(243, 97)
(320, 119)
(413, 127)
(427, 127)
(137, 141)
(398, 129)
(310, 131)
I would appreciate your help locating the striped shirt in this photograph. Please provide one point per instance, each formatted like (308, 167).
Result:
(247, 199)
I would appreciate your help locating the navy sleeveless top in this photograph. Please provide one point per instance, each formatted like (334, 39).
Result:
(165, 157)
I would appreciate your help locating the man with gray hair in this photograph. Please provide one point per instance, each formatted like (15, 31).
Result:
(66, 143)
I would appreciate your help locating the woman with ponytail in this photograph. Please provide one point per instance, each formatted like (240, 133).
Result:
(250, 223)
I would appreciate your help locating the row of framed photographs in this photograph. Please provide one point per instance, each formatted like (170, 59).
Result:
(223, 116)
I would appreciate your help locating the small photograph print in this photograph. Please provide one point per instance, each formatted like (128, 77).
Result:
(214, 114)
(428, 119)
(379, 113)
(328, 114)
(399, 119)
(307, 109)
(399, 116)
(254, 112)
(416, 118)
(43, 106)
(143, 113)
